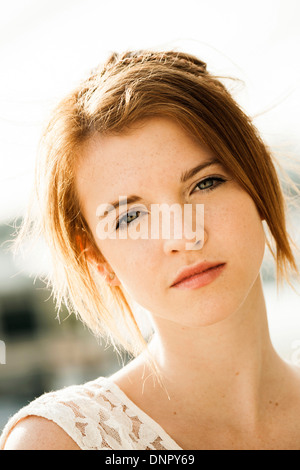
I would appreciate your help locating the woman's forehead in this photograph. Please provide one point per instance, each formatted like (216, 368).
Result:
(159, 146)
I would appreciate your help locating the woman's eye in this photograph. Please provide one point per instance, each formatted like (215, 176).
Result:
(126, 219)
(209, 184)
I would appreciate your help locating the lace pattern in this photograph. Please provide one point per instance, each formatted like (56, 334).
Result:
(97, 416)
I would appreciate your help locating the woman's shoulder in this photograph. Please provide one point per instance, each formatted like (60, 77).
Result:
(73, 417)
(36, 433)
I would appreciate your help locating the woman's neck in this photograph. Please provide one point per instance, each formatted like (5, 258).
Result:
(223, 386)
(231, 365)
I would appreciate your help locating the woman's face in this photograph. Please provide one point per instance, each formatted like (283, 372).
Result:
(149, 162)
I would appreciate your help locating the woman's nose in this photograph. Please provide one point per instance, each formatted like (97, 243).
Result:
(184, 244)
(188, 234)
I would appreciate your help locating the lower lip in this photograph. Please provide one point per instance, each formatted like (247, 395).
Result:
(200, 280)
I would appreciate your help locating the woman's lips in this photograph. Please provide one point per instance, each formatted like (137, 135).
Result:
(200, 279)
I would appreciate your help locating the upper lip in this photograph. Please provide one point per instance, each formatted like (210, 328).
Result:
(189, 271)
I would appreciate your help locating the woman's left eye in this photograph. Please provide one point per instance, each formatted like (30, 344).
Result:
(209, 184)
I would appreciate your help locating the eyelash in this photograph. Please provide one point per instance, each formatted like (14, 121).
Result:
(211, 188)
(211, 178)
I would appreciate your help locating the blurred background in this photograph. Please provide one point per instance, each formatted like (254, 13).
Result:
(46, 46)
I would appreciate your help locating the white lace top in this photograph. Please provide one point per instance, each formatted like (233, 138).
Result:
(97, 416)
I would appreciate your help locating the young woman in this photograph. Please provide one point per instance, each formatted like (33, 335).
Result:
(158, 128)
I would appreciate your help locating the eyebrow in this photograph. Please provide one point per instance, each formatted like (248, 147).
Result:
(185, 176)
(113, 205)
(190, 173)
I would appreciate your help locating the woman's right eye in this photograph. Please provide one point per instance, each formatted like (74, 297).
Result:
(123, 222)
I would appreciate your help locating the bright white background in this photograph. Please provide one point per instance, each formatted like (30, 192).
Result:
(46, 46)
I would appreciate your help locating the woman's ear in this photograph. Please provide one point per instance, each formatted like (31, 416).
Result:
(97, 260)
(79, 242)
(85, 246)
(107, 274)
